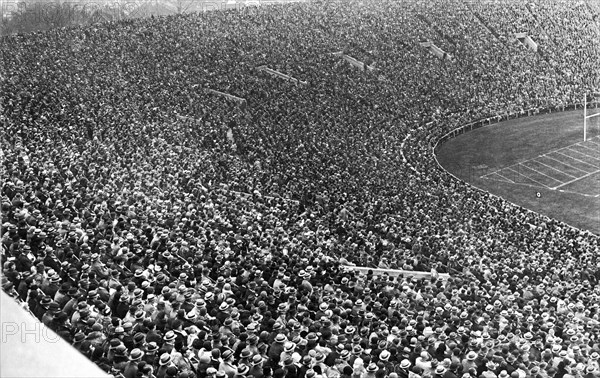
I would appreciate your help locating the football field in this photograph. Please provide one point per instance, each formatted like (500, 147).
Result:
(541, 163)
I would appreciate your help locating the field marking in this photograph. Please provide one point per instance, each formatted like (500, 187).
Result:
(577, 179)
(516, 183)
(564, 152)
(562, 162)
(534, 180)
(556, 169)
(586, 147)
(586, 155)
(581, 161)
(555, 151)
(580, 194)
(504, 177)
(541, 173)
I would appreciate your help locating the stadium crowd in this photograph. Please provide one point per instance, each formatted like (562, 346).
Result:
(166, 231)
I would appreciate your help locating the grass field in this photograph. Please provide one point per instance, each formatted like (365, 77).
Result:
(541, 163)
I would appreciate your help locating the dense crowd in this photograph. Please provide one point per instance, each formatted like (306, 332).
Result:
(166, 231)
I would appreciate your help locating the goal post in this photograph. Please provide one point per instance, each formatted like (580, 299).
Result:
(594, 96)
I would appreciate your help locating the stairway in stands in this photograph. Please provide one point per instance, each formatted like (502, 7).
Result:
(436, 29)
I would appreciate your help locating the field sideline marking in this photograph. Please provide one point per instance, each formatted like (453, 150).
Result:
(577, 179)
(538, 187)
(579, 194)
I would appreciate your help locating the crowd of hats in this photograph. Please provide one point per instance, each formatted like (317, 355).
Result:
(166, 231)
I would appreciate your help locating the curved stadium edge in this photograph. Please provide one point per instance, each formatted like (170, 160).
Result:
(499, 119)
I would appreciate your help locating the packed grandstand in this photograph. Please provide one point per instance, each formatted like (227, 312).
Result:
(168, 230)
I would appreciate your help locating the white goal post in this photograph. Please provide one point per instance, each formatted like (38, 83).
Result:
(585, 115)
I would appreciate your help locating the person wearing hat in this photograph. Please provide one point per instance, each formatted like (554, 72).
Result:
(164, 363)
(256, 370)
(305, 365)
(403, 368)
(212, 372)
(333, 354)
(319, 362)
(469, 361)
(113, 280)
(242, 371)
(51, 285)
(223, 312)
(151, 354)
(342, 361)
(139, 341)
(439, 371)
(289, 366)
(424, 362)
(384, 359)
(591, 371)
(168, 343)
(245, 356)
(452, 371)
(78, 340)
(120, 359)
(61, 296)
(276, 348)
(121, 305)
(51, 309)
(227, 364)
(131, 369)
(180, 334)
(371, 369)
(310, 373)
(98, 267)
(60, 324)
(358, 352)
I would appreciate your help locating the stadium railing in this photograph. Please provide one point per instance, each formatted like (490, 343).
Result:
(505, 117)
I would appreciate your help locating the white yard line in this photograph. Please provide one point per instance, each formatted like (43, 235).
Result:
(594, 142)
(556, 169)
(534, 180)
(584, 154)
(504, 177)
(581, 161)
(541, 173)
(563, 163)
(587, 148)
